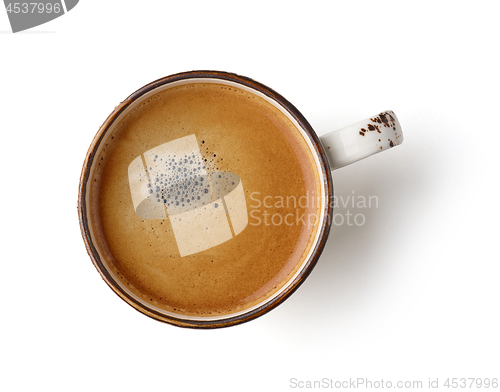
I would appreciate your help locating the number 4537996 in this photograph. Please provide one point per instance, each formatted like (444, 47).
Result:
(32, 8)
(471, 383)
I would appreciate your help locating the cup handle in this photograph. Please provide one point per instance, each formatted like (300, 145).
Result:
(362, 139)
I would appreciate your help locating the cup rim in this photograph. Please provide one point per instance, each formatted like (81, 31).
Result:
(309, 264)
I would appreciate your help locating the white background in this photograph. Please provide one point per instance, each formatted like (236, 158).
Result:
(412, 294)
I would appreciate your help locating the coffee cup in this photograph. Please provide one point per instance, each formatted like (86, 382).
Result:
(204, 198)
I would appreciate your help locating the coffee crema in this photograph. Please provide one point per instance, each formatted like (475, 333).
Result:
(187, 246)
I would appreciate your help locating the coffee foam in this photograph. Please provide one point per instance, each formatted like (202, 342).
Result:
(143, 283)
(171, 180)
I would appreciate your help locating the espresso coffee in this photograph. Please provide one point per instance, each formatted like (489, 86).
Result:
(202, 199)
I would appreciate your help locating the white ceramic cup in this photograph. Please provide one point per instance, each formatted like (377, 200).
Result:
(334, 150)
(362, 139)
